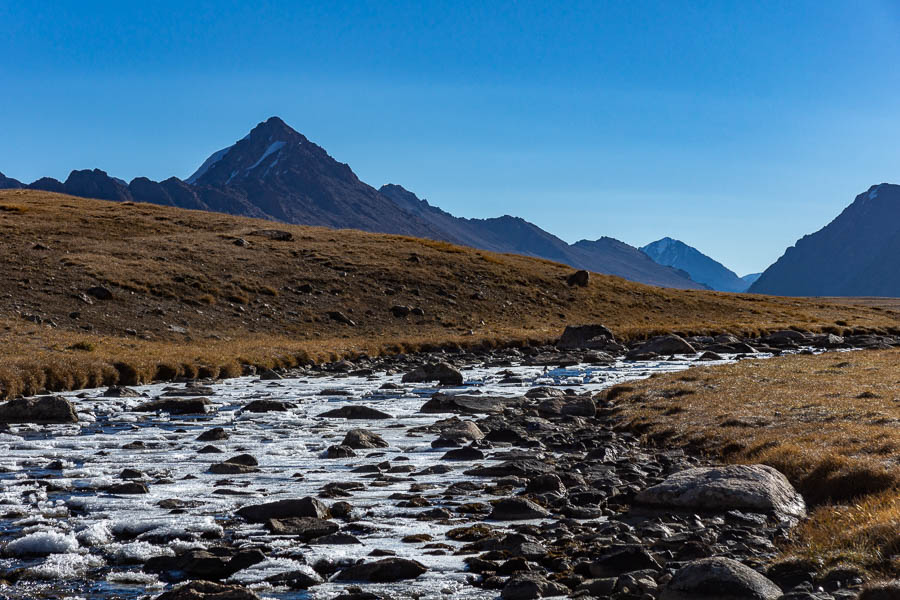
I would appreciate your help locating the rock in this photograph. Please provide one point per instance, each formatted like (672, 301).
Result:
(339, 452)
(43, 410)
(361, 438)
(709, 356)
(132, 487)
(262, 406)
(579, 278)
(468, 405)
(889, 590)
(461, 431)
(623, 559)
(202, 564)
(213, 435)
(355, 411)
(579, 406)
(175, 406)
(207, 590)
(120, 391)
(665, 344)
(269, 375)
(441, 372)
(284, 509)
(401, 311)
(383, 571)
(527, 586)
(516, 509)
(467, 453)
(719, 579)
(785, 337)
(227, 468)
(306, 528)
(296, 580)
(100, 293)
(277, 235)
(591, 337)
(744, 487)
(339, 317)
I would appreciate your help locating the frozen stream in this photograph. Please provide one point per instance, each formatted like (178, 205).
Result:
(76, 540)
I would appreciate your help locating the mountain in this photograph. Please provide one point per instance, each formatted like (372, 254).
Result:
(7, 183)
(518, 236)
(750, 279)
(700, 267)
(276, 173)
(857, 254)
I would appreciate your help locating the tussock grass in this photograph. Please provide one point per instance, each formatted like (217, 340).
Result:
(830, 423)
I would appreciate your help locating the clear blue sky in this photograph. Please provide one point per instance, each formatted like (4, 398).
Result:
(734, 126)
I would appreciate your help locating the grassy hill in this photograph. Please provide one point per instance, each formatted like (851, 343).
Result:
(203, 293)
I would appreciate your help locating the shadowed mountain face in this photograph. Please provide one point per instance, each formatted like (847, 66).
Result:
(276, 173)
(7, 183)
(700, 267)
(857, 254)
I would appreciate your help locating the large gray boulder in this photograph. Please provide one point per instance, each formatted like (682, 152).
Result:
(719, 579)
(382, 571)
(665, 344)
(757, 488)
(41, 410)
(360, 439)
(592, 337)
(284, 509)
(443, 373)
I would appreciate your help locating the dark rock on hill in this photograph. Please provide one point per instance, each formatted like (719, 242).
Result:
(700, 267)
(857, 254)
(8, 183)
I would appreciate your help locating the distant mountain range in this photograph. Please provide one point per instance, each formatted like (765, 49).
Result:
(700, 267)
(857, 254)
(276, 173)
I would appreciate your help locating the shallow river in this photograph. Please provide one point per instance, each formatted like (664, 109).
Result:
(91, 543)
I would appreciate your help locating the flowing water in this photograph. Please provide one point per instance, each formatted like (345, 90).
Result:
(76, 540)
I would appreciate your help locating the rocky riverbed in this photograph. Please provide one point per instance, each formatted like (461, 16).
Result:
(466, 475)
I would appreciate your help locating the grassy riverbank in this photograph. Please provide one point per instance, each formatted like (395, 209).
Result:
(828, 422)
(194, 292)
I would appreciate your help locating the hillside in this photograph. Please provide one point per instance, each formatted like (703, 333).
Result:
(854, 255)
(189, 288)
(700, 267)
(276, 173)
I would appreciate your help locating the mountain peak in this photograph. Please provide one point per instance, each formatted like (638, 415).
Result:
(701, 268)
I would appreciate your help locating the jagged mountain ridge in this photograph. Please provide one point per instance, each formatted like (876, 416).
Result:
(276, 173)
(856, 254)
(699, 266)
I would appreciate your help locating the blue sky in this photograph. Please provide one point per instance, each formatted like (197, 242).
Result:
(734, 126)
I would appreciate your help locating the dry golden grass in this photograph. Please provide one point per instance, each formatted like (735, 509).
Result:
(187, 299)
(830, 423)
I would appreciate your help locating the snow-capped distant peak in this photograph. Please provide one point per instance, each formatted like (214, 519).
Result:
(209, 162)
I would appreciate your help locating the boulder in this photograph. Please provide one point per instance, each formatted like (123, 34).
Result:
(516, 509)
(284, 509)
(339, 317)
(100, 293)
(720, 579)
(468, 405)
(339, 452)
(461, 431)
(43, 410)
(361, 438)
(263, 406)
(207, 590)
(306, 528)
(277, 235)
(591, 337)
(580, 278)
(757, 488)
(527, 586)
(120, 391)
(664, 344)
(355, 411)
(175, 406)
(888, 590)
(441, 372)
(383, 571)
